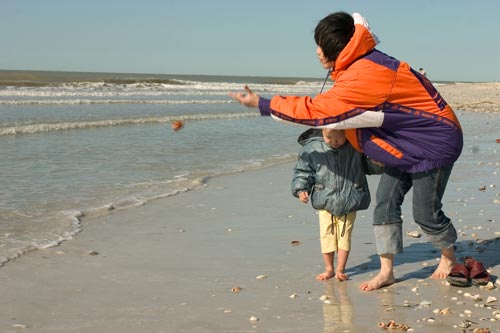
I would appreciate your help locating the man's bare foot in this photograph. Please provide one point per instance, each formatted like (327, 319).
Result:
(326, 275)
(341, 276)
(446, 264)
(379, 281)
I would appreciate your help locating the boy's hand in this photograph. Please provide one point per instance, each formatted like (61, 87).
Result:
(304, 197)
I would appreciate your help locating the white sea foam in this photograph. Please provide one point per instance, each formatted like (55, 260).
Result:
(49, 127)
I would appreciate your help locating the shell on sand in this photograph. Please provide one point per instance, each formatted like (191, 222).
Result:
(236, 289)
(413, 234)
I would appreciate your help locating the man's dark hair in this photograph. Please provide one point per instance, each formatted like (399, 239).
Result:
(333, 33)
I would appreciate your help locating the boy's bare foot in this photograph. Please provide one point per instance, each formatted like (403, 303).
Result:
(326, 275)
(341, 276)
(379, 281)
(446, 264)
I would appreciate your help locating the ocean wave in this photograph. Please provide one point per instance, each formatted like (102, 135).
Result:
(63, 126)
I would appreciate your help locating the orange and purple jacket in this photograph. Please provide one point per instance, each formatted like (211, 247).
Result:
(390, 112)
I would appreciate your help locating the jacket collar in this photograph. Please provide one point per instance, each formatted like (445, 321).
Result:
(362, 42)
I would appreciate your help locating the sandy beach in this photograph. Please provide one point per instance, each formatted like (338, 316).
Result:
(241, 255)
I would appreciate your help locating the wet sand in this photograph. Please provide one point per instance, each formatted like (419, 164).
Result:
(172, 265)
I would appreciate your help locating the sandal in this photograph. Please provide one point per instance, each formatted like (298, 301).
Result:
(459, 276)
(477, 272)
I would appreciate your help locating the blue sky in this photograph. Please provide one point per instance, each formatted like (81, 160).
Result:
(456, 40)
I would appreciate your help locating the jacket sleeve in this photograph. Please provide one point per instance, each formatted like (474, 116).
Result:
(303, 175)
(356, 90)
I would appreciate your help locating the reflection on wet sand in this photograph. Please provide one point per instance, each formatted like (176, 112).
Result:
(337, 308)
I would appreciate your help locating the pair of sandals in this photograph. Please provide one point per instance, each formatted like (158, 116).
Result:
(470, 271)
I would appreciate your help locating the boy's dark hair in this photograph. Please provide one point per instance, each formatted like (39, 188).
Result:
(333, 33)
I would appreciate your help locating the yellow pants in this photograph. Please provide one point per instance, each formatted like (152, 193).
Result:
(335, 232)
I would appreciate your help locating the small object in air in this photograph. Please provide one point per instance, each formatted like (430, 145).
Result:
(177, 125)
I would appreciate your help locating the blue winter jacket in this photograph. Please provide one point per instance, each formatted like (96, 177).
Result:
(334, 177)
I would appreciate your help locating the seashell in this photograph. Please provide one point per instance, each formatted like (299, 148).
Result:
(92, 253)
(260, 277)
(381, 324)
(481, 330)
(413, 234)
(425, 304)
(431, 320)
(295, 242)
(236, 289)
(177, 125)
(491, 299)
(293, 296)
(464, 324)
(227, 311)
(253, 319)
(415, 290)
(467, 312)
(445, 311)
(323, 298)
(20, 326)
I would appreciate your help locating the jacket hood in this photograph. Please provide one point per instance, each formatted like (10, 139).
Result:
(310, 134)
(362, 41)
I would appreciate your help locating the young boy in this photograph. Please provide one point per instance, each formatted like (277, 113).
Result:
(331, 173)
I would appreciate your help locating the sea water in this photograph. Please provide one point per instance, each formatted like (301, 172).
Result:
(72, 148)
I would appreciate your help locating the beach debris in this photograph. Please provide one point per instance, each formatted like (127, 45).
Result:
(445, 311)
(392, 325)
(20, 326)
(236, 289)
(295, 242)
(253, 319)
(491, 299)
(498, 140)
(260, 277)
(481, 330)
(413, 234)
(325, 299)
(424, 304)
(177, 125)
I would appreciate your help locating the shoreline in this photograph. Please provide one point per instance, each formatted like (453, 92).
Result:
(171, 265)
